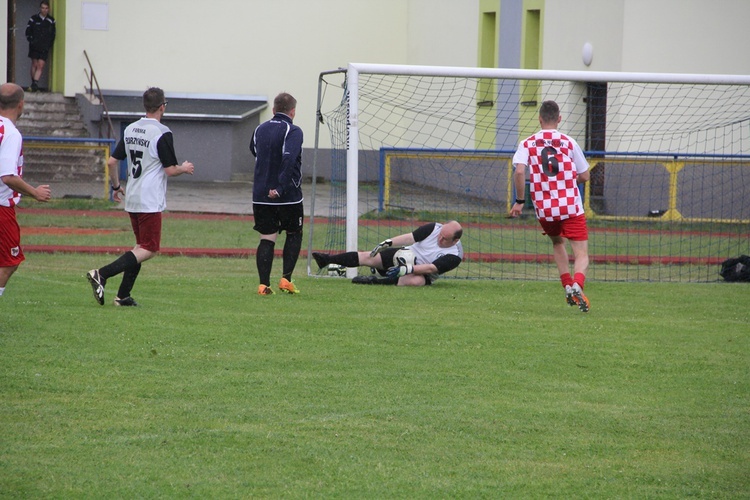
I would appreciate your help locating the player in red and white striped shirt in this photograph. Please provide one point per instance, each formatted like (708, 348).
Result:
(556, 167)
(12, 185)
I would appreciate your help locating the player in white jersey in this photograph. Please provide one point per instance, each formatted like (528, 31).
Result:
(148, 146)
(12, 185)
(437, 249)
(556, 167)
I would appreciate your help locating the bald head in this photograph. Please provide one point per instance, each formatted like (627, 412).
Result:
(10, 95)
(11, 100)
(454, 228)
(450, 233)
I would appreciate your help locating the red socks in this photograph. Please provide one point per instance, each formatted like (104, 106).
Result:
(580, 278)
(566, 279)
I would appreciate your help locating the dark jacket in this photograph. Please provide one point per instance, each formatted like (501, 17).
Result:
(41, 32)
(277, 147)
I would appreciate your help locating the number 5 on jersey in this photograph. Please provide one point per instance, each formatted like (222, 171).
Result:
(135, 160)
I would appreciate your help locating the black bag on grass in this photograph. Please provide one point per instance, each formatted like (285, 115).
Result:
(737, 269)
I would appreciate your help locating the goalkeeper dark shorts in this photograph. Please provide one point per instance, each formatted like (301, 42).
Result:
(386, 256)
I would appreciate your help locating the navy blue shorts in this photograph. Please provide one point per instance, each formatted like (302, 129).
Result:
(270, 219)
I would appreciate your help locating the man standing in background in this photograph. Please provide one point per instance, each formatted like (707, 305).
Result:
(40, 33)
(277, 192)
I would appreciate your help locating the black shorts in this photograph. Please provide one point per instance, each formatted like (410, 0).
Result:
(387, 256)
(36, 53)
(271, 219)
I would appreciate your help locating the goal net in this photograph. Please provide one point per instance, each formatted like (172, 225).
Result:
(668, 199)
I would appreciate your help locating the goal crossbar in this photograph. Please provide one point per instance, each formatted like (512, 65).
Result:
(556, 75)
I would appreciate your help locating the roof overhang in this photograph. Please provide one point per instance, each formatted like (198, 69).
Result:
(203, 107)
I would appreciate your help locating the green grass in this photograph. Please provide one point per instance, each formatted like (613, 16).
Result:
(72, 204)
(467, 389)
(512, 236)
(116, 231)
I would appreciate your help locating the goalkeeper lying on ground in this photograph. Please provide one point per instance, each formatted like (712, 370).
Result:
(411, 259)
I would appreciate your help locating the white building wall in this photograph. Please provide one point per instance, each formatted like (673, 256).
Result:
(569, 24)
(261, 47)
(4, 39)
(686, 36)
(247, 47)
(442, 32)
(653, 36)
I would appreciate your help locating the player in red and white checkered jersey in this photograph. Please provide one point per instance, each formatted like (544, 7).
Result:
(556, 167)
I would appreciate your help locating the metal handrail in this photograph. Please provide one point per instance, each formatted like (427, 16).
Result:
(93, 81)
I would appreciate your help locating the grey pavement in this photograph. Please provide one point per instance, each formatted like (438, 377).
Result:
(234, 197)
(212, 197)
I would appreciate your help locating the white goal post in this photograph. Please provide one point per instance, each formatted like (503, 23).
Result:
(668, 125)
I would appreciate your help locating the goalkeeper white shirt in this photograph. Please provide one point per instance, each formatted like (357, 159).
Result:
(554, 162)
(11, 160)
(148, 147)
(427, 250)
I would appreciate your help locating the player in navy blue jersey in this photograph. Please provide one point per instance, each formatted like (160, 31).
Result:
(149, 149)
(277, 192)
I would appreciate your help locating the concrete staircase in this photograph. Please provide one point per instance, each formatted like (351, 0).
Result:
(72, 169)
(47, 114)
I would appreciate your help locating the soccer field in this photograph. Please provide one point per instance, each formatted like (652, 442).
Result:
(464, 389)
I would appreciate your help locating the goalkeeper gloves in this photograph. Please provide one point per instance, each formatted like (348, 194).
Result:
(398, 271)
(381, 246)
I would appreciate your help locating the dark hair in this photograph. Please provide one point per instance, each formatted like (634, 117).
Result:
(44, 2)
(549, 112)
(9, 99)
(153, 98)
(284, 103)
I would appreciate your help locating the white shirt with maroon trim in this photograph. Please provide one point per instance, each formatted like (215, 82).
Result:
(11, 160)
(146, 191)
(554, 162)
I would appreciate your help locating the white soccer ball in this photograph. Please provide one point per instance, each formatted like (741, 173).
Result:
(404, 256)
(336, 270)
